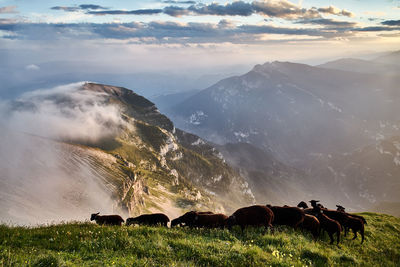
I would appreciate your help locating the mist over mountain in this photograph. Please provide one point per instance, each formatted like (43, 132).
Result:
(83, 148)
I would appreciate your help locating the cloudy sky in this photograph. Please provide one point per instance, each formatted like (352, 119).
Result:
(180, 35)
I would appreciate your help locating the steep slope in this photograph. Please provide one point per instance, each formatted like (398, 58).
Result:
(294, 110)
(93, 136)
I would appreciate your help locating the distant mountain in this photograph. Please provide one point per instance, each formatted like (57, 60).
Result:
(390, 58)
(294, 110)
(131, 159)
(362, 66)
(166, 101)
(270, 180)
(368, 177)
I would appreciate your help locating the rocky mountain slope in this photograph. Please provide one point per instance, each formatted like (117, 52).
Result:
(295, 110)
(131, 159)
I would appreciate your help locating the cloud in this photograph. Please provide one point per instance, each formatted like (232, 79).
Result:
(179, 2)
(32, 67)
(8, 10)
(328, 22)
(39, 171)
(174, 32)
(279, 9)
(83, 7)
(127, 12)
(391, 22)
(335, 11)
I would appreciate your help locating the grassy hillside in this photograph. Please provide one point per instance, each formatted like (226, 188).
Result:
(85, 244)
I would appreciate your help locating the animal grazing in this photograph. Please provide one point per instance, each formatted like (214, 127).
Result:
(149, 219)
(290, 216)
(311, 224)
(187, 219)
(356, 225)
(330, 226)
(210, 220)
(256, 215)
(106, 219)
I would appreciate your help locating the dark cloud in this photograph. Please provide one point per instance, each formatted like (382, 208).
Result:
(92, 7)
(280, 9)
(179, 2)
(238, 8)
(127, 12)
(8, 10)
(174, 32)
(85, 7)
(328, 22)
(391, 22)
(65, 8)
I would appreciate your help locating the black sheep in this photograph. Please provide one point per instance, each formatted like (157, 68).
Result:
(311, 224)
(149, 219)
(356, 225)
(106, 219)
(330, 226)
(187, 219)
(303, 205)
(210, 220)
(256, 215)
(290, 216)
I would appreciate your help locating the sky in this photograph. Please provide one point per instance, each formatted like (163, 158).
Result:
(188, 36)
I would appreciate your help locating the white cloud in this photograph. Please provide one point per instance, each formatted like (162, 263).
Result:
(32, 67)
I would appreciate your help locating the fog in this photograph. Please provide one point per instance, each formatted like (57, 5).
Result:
(44, 180)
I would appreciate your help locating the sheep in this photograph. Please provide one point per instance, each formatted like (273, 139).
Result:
(256, 215)
(303, 205)
(187, 219)
(290, 216)
(358, 216)
(338, 216)
(340, 208)
(210, 220)
(149, 219)
(106, 219)
(356, 225)
(312, 224)
(330, 226)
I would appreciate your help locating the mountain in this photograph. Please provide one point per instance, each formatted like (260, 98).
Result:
(363, 66)
(390, 58)
(294, 110)
(366, 177)
(90, 147)
(270, 180)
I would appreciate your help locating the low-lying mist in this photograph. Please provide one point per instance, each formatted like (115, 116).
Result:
(43, 180)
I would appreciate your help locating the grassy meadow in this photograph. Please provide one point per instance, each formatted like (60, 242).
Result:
(87, 244)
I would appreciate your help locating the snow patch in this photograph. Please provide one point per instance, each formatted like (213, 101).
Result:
(197, 117)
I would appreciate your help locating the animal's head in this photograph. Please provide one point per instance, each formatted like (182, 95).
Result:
(340, 208)
(175, 222)
(303, 205)
(129, 221)
(314, 202)
(94, 216)
(231, 221)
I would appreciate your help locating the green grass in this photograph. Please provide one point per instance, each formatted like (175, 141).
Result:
(85, 244)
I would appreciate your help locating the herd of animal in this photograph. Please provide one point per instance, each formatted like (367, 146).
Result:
(315, 219)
